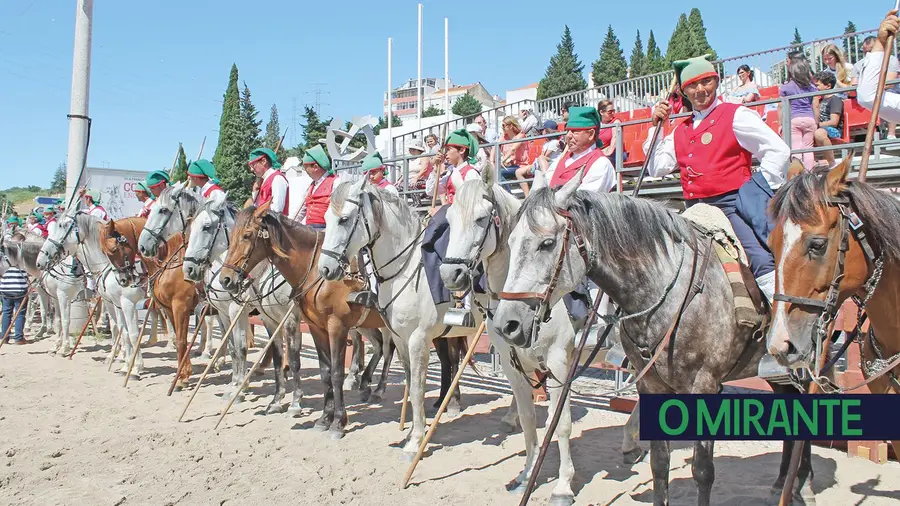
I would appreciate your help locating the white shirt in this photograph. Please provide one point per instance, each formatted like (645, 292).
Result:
(600, 176)
(751, 132)
(445, 178)
(301, 213)
(279, 189)
(97, 212)
(868, 84)
(209, 184)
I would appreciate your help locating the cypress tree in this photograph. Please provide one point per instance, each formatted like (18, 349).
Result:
(638, 61)
(698, 35)
(655, 60)
(466, 105)
(851, 44)
(798, 41)
(313, 130)
(229, 158)
(273, 129)
(565, 73)
(181, 166)
(680, 43)
(610, 66)
(58, 184)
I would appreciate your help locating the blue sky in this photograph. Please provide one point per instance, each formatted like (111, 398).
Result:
(159, 69)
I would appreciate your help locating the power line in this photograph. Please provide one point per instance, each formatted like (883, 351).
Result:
(318, 92)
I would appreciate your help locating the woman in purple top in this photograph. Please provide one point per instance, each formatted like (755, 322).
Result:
(803, 119)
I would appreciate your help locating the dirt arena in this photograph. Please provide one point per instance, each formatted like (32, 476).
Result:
(71, 434)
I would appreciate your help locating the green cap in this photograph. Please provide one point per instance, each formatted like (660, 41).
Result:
(584, 118)
(203, 168)
(157, 177)
(12, 219)
(268, 153)
(693, 69)
(142, 186)
(317, 154)
(371, 162)
(464, 139)
(93, 193)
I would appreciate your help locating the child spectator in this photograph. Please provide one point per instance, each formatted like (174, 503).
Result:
(831, 115)
(803, 119)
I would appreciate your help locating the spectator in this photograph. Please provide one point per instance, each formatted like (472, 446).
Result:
(529, 122)
(550, 149)
(513, 155)
(564, 112)
(747, 91)
(608, 136)
(871, 70)
(490, 135)
(831, 115)
(482, 155)
(431, 141)
(892, 73)
(836, 63)
(35, 227)
(803, 119)
(13, 289)
(419, 168)
(677, 101)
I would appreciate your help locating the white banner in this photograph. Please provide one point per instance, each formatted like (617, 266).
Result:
(116, 187)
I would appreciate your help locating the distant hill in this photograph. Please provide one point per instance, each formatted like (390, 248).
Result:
(22, 198)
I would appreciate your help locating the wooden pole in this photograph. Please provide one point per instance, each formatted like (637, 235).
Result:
(876, 107)
(12, 321)
(201, 148)
(640, 179)
(222, 345)
(437, 417)
(405, 403)
(84, 327)
(190, 346)
(115, 349)
(262, 355)
(137, 344)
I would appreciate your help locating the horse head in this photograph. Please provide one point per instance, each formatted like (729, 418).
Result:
(475, 229)
(348, 227)
(206, 227)
(118, 243)
(170, 215)
(63, 238)
(818, 261)
(545, 262)
(249, 244)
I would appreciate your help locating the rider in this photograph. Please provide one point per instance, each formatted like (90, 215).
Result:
(461, 155)
(144, 197)
(713, 149)
(871, 69)
(35, 227)
(49, 219)
(91, 199)
(317, 165)
(156, 182)
(264, 164)
(202, 173)
(373, 167)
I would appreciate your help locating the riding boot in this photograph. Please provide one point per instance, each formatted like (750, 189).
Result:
(460, 315)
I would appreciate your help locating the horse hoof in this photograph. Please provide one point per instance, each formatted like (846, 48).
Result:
(375, 398)
(452, 411)
(507, 427)
(205, 355)
(632, 457)
(561, 500)
(294, 411)
(351, 384)
(274, 409)
(407, 457)
(319, 427)
(515, 487)
(335, 434)
(365, 395)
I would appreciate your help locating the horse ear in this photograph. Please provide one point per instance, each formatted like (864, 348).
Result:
(456, 179)
(218, 199)
(358, 186)
(262, 210)
(487, 175)
(539, 181)
(837, 177)
(795, 169)
(563, 195)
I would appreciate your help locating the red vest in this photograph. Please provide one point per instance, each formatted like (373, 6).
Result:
(709, 157)
(562, 174)
(384, 183)
(318, 199)
(214, 187)
(451, 190)
(265, 193)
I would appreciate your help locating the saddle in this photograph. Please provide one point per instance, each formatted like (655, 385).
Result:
(750, 306)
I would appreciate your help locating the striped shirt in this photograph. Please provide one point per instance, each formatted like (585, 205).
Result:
(14, 283)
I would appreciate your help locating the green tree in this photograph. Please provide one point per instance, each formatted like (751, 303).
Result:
(565, 73)
(432, 111)
(638, 62)
(313, 129)
(655, 60)
(466, 105)
(58, 184)
(181, 166)
(680, 43)
(700, 45)
(798, 41)
(382, 123)
(610, 66)
(229, 158)
(852, 49)
(273, 129)
(250, 121)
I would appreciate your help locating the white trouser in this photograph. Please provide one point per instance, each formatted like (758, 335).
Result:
(766, 284)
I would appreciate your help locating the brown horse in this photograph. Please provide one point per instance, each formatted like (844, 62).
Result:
(258, 235)
(833, 240)
(170, 291)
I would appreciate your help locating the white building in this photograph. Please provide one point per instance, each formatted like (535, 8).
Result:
(404, 99)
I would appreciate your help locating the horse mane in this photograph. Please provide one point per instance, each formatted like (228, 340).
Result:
(470, 194)
(24, 251)
(620, 229)
(193, 201)
(88, 226)
(405, 214)
(800, 199)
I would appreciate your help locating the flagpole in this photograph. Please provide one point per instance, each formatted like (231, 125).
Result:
(390, 107)
(446, 71)
(419, 75)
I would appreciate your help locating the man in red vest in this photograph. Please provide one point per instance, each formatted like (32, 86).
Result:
(713, 149)
(202, 173)
(274, 186)
(317, 165)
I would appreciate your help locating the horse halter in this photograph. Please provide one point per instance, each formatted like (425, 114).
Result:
(828, 308)
(157, 234)
(206, 261)
(241, 270)
(57, 255)
(494, 225)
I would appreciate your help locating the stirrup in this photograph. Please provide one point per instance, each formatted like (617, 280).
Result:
(770, 370)
(615, 356)
(364, 298)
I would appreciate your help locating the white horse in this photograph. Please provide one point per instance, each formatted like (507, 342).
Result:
(56, 288)
(10, 259)
(211, 221)
(363, 215)
(77, 234)
(480, 220)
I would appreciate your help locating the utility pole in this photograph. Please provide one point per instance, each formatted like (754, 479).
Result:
(76, 158)
(317, 91)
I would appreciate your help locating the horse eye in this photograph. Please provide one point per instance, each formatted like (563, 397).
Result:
(482, 221)
(547, 244)
(817, 246)
(343, 219)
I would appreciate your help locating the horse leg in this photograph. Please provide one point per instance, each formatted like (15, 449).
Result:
(457, 353)
(238, 354)
(418, 364)
(525, 414)
(378, 395)
(323, 351)
(632, 453)
(659, 468)
(180, 321)
(43, 305)
(365, 382)
(356, 361)
(338, 343)
(277, 351)
(558, 361)
(442, 346)
(295, 343)
(802, 486)
(65, 339)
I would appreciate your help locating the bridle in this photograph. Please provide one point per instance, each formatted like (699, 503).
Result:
(168, 213)
(206, 260)
(494, 224)
(341, 257)
(57, 255)
(849, 223)
(241, 271)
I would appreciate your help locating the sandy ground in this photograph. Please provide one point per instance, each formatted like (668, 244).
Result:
(71, 434)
